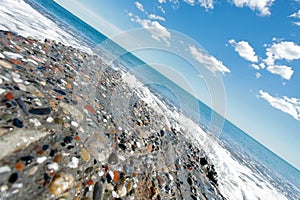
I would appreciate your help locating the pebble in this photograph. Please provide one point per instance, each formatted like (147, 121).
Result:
(61, 183)
(12, 55)
(5, 64)
(13, 178)
(35, 122)
(17, 123)
(41, 159)
(75, 124)
(73, 163)
(9, 96)
(4, 169)
(113, 159)
(161, 181)
(121, 191)
(2, 91)
(49, 119)
(98, 189)
(16, 77)
(53, 166)
(32, 170)
(72, 110)
(40, 111)
(85, 155)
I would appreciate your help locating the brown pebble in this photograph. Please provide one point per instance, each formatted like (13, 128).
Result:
(19, 166)
(85, 155)
(61, 183)
(90, 108)
(116, 176)
(58, 158)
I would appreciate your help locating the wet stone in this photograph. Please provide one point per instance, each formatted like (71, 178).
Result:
(17, 123)
(98, 189)
(13, 178)
(61, 183)
(40, 111)
(113, 159)
(27, 159)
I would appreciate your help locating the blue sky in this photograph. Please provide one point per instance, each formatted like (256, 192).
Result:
(253, 45)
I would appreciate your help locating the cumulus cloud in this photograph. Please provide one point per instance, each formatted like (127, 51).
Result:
(288, 105)
(210, 62)
(257, 75)
(162, 1)
(281, 70)
(208, 4)
(263, 6)
(139, 6)
(157, 31)
(283, 50)
(153, 16)
(296, 15)
(244, 50)
(191, 2)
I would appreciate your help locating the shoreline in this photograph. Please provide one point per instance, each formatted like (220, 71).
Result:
(88, 148)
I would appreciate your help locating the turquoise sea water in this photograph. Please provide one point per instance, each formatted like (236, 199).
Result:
(245, 149)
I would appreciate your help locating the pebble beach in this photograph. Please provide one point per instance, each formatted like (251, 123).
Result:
(66, 132)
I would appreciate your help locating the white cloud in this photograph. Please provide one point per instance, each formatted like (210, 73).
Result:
(162, 1)
(210, 62)
(255, 66)
(282, 70)
(263, 6)
(297, 23)
(288, 105)
(257, 75)
(296, 14)
(157, 31)
(139, 6)
(161, 9)
(153, 16)
(191, 2)
(244, 50)
(208, 4)
(283, 50)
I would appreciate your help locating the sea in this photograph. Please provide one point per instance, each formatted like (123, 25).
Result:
(246, 169)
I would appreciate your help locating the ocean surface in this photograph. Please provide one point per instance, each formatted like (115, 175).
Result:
(246, 169)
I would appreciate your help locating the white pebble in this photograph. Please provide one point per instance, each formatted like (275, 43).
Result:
(53, 166)
(35, 121)
(2, 56)
(22, 87)
(3, 188)
(16, 77)
(2, 91)
(37, 102)
(4, 169)
(41, 159)
(12, 55)
(1, 81)
(101, 173)
(32, 61)
(49, 119)
(17, 185)
(75, 124)
(73, 163)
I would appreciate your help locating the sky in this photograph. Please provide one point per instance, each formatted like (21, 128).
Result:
(252, 46)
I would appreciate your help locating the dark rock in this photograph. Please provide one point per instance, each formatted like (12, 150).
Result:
(13, 178)
(22, 106)
(40, 111)
(97, 193)
(108, 178)
(203, 161)
(123, 147)
(17, 123)
(190, 181)
(60, 92)
(113, 159)
(27, 159)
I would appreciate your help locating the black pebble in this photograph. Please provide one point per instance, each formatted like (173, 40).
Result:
(190, 181)
(18, 123)
(13, 178)
(60, 92)
(45, 147)
(203, 161)
(123, 147)
(108, 178)
(97, 193)
(27, 159)
(40, 111)
(68, 139)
